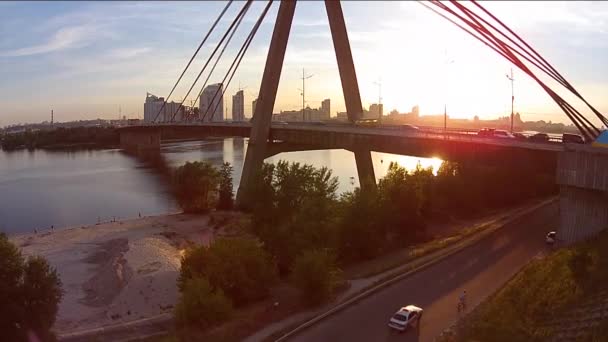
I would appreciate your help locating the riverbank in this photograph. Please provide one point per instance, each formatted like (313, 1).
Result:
(120, 271)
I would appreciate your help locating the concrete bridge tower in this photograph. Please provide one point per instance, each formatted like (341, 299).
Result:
(258, 141)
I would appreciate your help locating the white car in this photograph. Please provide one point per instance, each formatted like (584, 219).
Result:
(551, 237)
(405, 317)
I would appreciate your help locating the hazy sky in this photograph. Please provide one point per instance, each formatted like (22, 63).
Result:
(84, 59)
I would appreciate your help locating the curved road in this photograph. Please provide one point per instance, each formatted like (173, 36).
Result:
(480, 269)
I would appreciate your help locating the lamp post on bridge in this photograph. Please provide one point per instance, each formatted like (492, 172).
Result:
(304, 78)
(511, 78)
(445, 105)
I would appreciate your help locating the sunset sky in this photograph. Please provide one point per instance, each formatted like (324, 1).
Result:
(84, 59)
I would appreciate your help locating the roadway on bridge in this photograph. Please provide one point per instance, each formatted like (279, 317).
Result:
(480, 269)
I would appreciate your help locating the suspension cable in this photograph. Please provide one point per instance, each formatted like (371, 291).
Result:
(238, 58)
(192, 58)
(241, 12)
(506, 51)
(219, 56)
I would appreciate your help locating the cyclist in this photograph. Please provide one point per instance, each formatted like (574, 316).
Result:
(462, 300)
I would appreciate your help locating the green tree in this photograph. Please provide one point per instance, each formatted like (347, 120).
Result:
(194, 183)
(30, 292)
(226, 194)
(237, 266)
(296, 210)
(316, 275)
(201, 306)
(361, 236)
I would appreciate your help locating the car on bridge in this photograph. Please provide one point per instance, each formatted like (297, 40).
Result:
(539, 137)
(408, 128)
(495, 133)
(406, 317)
(572, 138)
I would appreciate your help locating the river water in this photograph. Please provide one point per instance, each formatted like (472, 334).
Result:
(42, 188)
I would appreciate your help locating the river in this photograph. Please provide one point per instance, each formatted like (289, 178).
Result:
(44, 188)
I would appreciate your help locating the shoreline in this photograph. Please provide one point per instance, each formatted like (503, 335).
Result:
(122, 271)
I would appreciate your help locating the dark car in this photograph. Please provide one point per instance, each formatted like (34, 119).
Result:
(572, 138)
(520, 136)
(539, 137)
(486, 132)
(408, 128)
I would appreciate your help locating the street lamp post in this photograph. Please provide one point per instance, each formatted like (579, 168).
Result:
(304, 78)
(379, 84)
(511, 78)
(445, 105)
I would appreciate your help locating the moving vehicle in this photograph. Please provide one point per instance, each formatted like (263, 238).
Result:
(572, 138)
(405, 317)
(499, 133)
(520, 136)
(495, 133)
(551, 237)
(367, 122)
(407, 127)
(539, 137)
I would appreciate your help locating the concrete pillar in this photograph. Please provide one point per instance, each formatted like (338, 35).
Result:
(256, 150)
(140, 141)
(346, 66)
(583, 213)
(582, 173)
(365, 169)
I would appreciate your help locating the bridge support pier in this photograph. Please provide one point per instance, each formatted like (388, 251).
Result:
(260, 130)
(140, 142)
(365, 169)
(582, 173)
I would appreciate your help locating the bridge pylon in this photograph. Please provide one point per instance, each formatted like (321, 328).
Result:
(262, 117)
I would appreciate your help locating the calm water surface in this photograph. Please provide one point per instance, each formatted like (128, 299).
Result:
(69, 188)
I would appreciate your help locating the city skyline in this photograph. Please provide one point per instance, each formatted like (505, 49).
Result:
(78, 61)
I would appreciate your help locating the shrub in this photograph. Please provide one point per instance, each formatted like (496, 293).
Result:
(237, 266)
(225, 192)
(316, 275)
(194, 182)
(200, 306)
(30, 292)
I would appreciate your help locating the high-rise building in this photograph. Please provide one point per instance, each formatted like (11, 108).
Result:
(325, 109)
(253, 104)
(375, 110)
(153, 105)
(238, 106)
(211, 103)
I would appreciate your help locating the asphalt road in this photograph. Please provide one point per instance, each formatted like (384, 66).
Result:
(480, 269)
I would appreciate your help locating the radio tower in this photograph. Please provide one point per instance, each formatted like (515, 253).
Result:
(512, 96)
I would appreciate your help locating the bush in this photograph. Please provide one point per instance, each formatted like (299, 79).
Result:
(194, 182)
(226, 194)
(30, 292)
(200, 306)
(237, 266)
(316, 275)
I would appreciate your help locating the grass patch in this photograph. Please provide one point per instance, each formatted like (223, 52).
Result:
(542, 292)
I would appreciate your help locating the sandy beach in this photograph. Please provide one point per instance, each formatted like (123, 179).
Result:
(120, 271)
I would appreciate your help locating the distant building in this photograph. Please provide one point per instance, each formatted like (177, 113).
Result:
(211, 103)
(342, 116)
(375, 111)
(309, 114)
(238, 106)
(326, 109)
(415, 111)
(253, 104)
(153, 106)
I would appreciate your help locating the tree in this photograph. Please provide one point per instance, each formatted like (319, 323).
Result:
(194, 181)
(316, 275)
(295, 211)
(201, 306)
(237, 266)
(30, 292)
(226, 194)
